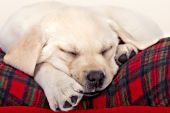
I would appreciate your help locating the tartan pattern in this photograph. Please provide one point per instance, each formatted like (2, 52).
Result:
(17, 88)
(143, 80)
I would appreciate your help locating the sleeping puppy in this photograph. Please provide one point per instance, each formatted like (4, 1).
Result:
(72, 51)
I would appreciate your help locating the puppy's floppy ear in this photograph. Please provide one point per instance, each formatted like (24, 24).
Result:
(133, 27)
(25, 53)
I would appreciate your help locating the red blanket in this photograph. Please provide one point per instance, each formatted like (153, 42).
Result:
(130, 109)
(143, 80)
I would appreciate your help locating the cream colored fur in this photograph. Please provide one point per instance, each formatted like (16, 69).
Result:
(42, 40)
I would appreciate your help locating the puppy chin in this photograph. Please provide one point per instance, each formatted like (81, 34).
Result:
(91, 93)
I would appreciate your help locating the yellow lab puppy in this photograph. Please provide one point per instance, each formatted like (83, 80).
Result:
(71, 50)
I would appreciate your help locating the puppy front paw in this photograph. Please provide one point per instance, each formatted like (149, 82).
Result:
(64, 95)
(124, 53)
(62, 91)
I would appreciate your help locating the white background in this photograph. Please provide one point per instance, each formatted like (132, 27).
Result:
(158, 10)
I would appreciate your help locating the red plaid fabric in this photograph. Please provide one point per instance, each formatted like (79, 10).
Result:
(17, 88)
(143, 80)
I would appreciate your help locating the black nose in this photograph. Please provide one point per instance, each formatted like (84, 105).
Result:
(95, 76)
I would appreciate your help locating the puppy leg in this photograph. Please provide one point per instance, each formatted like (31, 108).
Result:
(125, 52)
(62, 91)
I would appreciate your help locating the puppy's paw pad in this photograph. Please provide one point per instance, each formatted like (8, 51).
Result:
(124, 53)
(74, 99)
(67, 105)
(58, 109)
(123, 58)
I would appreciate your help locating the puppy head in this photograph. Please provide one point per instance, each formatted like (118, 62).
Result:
(82, 45)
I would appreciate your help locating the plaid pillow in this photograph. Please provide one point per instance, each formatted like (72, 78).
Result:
(143, 80)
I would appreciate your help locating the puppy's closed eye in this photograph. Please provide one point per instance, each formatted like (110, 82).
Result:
(71, 53)
(105, 50)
